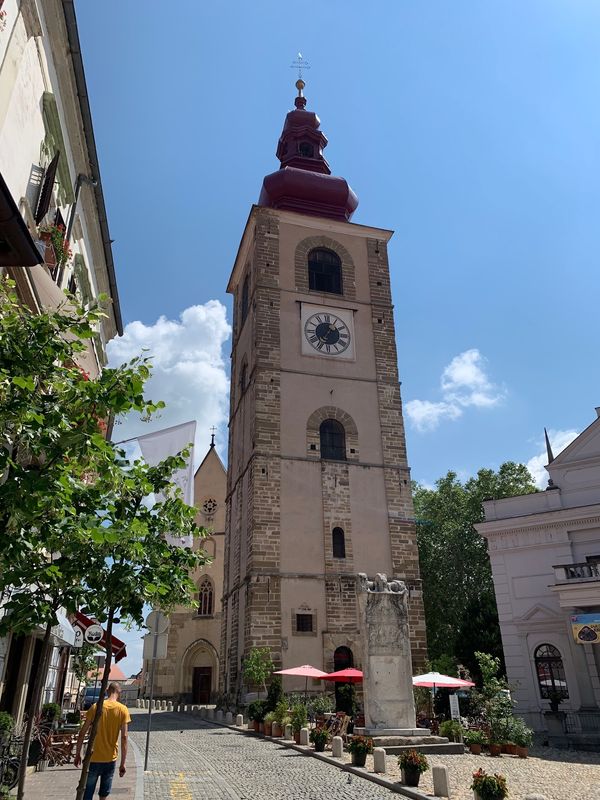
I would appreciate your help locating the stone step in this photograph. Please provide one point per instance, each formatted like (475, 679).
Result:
(451, 748)
(398, 741)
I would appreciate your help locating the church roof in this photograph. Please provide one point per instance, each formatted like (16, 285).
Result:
(211, 454)
(304, 182)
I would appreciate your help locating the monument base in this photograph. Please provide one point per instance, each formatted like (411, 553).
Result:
(397, 740)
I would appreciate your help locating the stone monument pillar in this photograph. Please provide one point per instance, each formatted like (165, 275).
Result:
(387, 665)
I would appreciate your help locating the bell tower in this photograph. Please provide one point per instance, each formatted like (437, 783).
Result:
(318, 485)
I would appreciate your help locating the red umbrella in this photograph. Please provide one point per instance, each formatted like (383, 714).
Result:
(349, 675)
(305, 671)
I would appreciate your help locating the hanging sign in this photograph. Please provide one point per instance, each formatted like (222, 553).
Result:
(586, 628)
(94, 634)
(454, 706)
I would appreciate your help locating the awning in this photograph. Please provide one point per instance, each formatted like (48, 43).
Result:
(17, 248)
(63, 630)
(118, 647)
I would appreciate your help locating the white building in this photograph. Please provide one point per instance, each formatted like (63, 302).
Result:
(50, 190)
(545, 555)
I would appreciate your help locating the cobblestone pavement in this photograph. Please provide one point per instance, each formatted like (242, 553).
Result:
(191, 760)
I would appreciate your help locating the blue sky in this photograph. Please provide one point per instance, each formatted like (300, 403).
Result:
(470, 128)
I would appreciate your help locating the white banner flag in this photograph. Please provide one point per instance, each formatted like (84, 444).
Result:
(159, 445)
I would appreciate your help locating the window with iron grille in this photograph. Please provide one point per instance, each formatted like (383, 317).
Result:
(550, 672)
(304, 623)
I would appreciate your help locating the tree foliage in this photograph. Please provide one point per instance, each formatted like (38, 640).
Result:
(458, 592)
(258, 665)
(76, 527)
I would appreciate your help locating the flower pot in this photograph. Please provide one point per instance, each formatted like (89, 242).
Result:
(522, 752)
(510, 749)
(410, 777)
(359, 759)
(475, 749)
(255, 724)
(276, 730)
(261, 727)
(495, 749)
(319, 747)
(297, 737)
(268, 728)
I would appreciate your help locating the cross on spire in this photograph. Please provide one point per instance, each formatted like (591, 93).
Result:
(300, 63)
(212, 436)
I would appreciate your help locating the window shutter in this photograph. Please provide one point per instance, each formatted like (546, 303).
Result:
(48, 186)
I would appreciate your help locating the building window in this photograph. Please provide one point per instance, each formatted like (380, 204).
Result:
(243, 377)
(333, 440)
(342, 659)
(245, 298)
(205, 598)
(304, 623)
(324, 271)
(550, 672)
(339, 543)
(306, 149)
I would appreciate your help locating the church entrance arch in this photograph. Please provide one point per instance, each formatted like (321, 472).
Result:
(199, 673)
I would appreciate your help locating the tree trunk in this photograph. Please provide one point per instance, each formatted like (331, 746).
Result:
(38, 685)
(105, 675)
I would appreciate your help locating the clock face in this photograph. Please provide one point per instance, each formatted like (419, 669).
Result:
(327, 333)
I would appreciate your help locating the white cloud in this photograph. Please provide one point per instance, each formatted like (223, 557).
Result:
(464, 383)
(558, 441)
(188, 371)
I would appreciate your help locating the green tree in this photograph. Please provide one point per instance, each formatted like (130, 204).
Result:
(67, 494)
(258, 665)
(458, 592)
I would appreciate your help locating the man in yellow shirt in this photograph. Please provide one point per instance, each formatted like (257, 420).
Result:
(114, 720)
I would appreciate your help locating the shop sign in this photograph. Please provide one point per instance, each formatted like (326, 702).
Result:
(586, 628)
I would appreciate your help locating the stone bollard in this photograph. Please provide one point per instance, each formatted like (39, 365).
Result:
(146, 704)
(228, 718)
(137, 703)
(304, 736)
(379, 759)
(239, 721)
(203, 712)
(288, 733)
(441, 781)
(337, 746)
(170, 705)
(219, 717)
(210, 713)
(164, 705)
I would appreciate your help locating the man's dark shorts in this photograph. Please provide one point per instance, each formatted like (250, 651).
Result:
(103, 770)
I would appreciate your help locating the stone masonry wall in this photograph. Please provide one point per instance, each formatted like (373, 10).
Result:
(403, 535)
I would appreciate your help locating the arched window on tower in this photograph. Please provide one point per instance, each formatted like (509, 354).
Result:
(205, 597)
(245, 299)
(333, 440)
(324, 271)
(306, 149)
(244, 377)
(550, 672)
(338, 541)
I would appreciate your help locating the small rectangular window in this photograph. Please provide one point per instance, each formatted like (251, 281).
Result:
(304, 623)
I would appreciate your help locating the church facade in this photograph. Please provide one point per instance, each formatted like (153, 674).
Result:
(318, 482)
(190, 672)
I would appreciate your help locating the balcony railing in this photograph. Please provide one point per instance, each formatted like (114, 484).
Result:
(586, 571)
(582, 722)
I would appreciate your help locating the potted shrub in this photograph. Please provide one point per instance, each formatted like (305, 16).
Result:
(488, 787)
(299, 720)
(475, 739)
(256, 713)
(360, 747)
(279, 715)
(452, 729)
(523, 737)
(319, 737)
(268, 723)
(7, 725)
(412, 765)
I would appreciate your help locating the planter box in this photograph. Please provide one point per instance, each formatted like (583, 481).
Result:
(359, 759)
(410, 777)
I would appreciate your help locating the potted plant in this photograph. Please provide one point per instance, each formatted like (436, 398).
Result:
(268, 723)
(280, 714)
(319, 737)
(299, 719)
(7, 725)
(256, 713)
(475, 739)
(412, 765)
(523, 737)
(452, 729)
(54, 237)
(488, 787)
(360, 747)
(555, 696)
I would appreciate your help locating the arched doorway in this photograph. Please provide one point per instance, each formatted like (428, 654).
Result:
(344, 692)
(199, 673)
